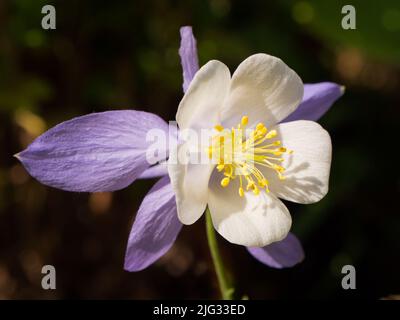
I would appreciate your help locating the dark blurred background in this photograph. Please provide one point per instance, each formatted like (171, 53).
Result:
(108, 55)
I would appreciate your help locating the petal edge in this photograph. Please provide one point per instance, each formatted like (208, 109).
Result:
(317, 100)
(92, 153)
(282, 254)
(155, 228)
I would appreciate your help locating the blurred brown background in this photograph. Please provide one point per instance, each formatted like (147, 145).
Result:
(108, 55)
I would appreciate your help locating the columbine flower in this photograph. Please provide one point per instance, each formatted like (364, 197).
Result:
(254, 169)
(107, 152)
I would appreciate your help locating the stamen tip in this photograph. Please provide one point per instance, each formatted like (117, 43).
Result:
(225, 182)
(245, 121)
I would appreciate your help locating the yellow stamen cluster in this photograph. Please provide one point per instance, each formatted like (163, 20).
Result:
(238, 154)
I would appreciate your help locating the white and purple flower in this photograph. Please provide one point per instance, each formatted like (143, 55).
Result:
(108, 151)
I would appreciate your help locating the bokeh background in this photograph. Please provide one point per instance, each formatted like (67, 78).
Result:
(107, 55)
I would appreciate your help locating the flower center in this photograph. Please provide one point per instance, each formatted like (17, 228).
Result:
(238, 152)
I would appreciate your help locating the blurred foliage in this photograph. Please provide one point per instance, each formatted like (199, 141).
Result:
(377, 32)
(111, 55)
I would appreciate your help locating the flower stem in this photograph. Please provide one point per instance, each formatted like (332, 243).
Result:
(225, 285)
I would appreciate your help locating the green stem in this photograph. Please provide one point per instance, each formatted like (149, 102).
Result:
(225, 286)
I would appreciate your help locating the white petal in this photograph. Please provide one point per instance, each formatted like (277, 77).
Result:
(190, 184)
(251, 220)
(201, 103)
(265, 89)
(308, 167)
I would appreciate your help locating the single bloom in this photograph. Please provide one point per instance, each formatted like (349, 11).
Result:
(107, 152)
(267, 161)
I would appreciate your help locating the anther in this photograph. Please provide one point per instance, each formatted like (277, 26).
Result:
(256, 191)
(225, 182)
(246, 154)
(271, 134)
(259, 126)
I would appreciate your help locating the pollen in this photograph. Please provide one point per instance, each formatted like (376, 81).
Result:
(245, 121)
(225, 182)
(244, 154)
